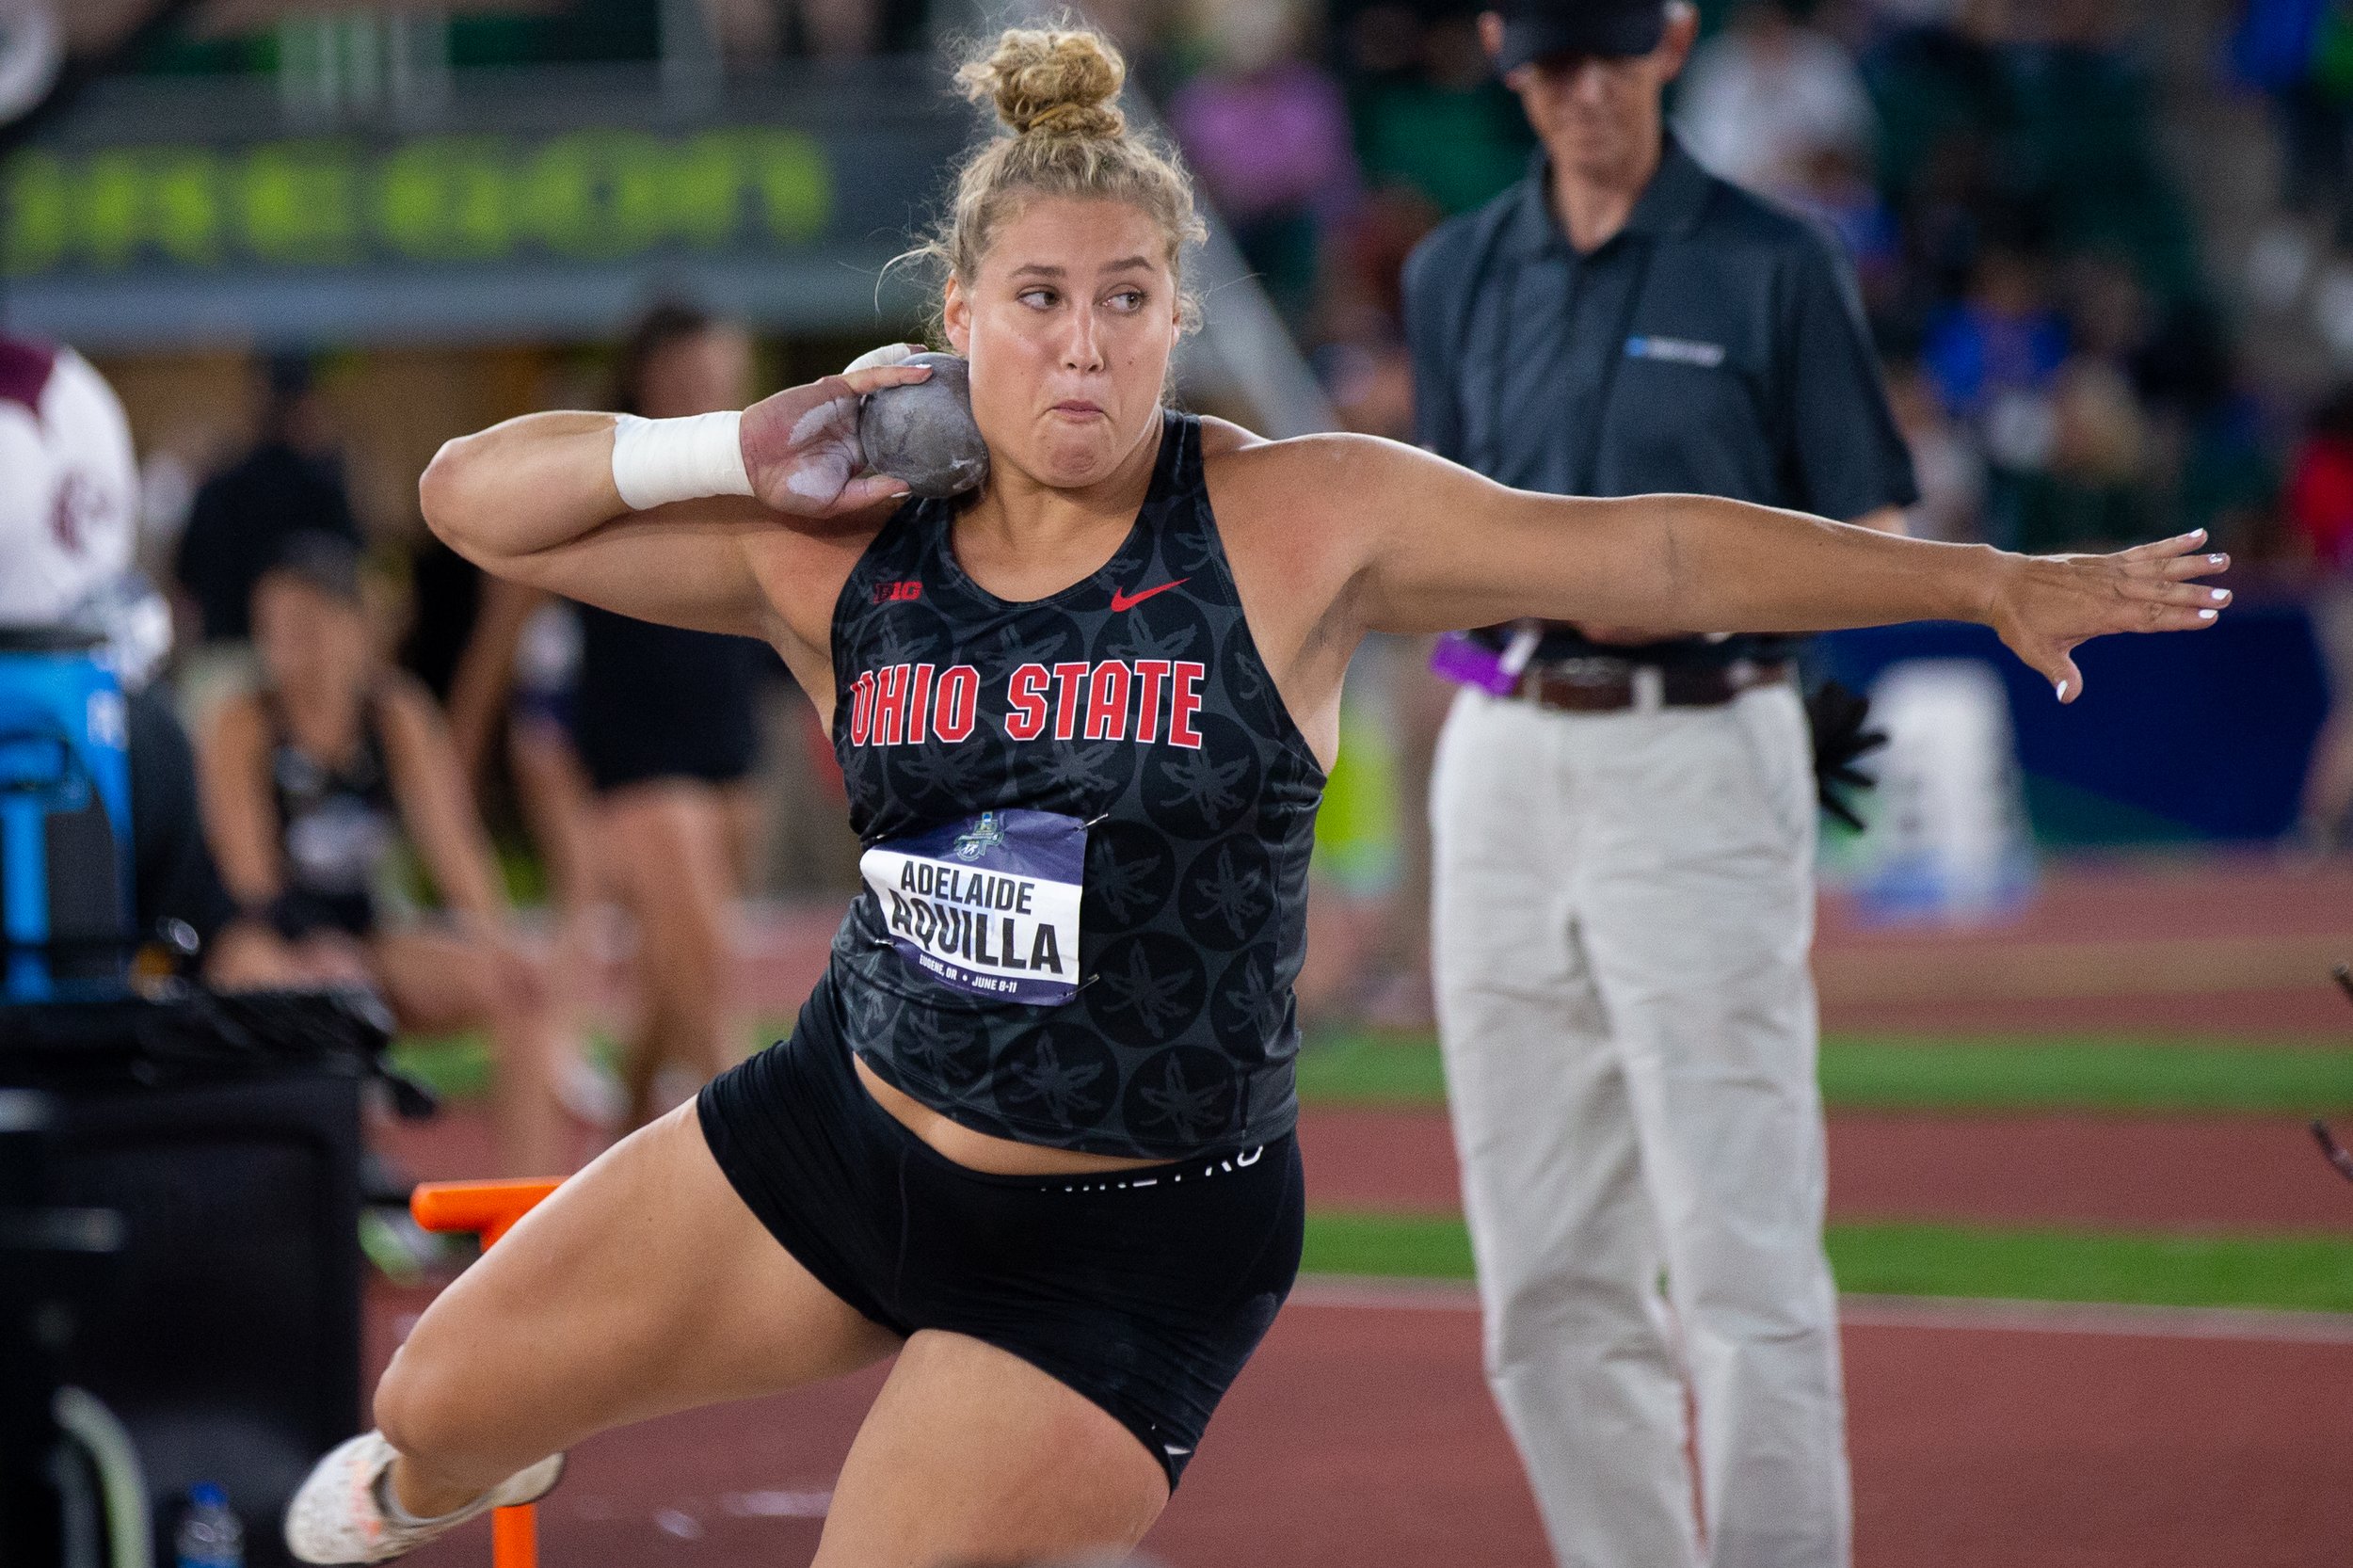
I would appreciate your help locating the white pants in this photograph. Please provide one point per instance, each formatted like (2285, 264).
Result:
(1623, 906)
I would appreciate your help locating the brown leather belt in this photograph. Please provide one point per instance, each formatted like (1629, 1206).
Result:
(1613, 685)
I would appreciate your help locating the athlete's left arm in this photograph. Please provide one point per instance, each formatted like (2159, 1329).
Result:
(435, 805)
(1434, 547)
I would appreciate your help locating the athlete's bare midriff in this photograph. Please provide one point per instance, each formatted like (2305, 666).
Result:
(977, 1150)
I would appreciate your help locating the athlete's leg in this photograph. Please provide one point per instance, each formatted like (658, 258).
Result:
(1700, 940)
(1561, 1228)
(974, 1455)
(643, 1286)
(669, 851)
(435, 981)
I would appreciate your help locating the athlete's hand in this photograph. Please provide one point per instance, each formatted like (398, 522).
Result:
(801, 448)
(2045, 606)
(887, 354)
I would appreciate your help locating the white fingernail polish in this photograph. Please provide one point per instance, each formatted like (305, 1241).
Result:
(2208, 615)
(2220, 595)
(2062, 691)
(2214, 560)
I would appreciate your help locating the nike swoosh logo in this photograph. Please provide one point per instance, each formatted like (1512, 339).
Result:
(1129, 602)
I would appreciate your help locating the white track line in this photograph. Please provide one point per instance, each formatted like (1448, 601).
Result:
(1925, 1312)
(2158, 1322)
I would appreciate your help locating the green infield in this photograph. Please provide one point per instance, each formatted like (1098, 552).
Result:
(457, 1066)
(1906, 1074)
(2305, 1273)
(1858, 1074)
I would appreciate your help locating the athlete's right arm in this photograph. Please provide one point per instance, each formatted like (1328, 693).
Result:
(535, 500)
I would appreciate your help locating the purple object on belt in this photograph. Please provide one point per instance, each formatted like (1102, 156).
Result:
(1466, 661)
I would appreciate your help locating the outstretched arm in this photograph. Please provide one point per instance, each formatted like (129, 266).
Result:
(535, 500)
(1439, 547)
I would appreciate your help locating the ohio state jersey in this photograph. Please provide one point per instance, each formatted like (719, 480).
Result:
(1088, 820)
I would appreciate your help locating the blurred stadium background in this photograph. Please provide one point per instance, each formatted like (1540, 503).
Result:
(2100, 1288)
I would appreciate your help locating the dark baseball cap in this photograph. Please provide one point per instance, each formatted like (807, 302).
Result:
(1616, 29)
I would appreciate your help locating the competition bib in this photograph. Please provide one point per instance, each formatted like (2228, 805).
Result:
(988, 905)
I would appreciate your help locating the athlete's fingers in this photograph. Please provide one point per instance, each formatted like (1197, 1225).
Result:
(2058, 668)
(2161, 549)
(887, 354)
(2158, 590)
(870, 489)
(878, 376)
(2183, 567)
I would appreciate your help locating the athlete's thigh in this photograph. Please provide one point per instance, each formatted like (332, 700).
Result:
(643, 1286)
(971, 1455)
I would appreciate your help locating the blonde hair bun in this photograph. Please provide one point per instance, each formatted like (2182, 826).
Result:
(1051, 82)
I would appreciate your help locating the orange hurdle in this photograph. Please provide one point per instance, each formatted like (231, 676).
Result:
(489, 1210)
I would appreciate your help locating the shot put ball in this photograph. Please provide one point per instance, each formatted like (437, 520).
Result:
(923, 432)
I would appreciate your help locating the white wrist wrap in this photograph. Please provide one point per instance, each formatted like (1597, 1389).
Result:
(656, 461)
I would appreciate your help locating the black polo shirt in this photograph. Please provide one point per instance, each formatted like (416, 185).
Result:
(1714, 345)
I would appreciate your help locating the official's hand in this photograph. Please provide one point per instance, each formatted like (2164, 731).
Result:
(1839, 721)
(801, 447)
(2044, 606)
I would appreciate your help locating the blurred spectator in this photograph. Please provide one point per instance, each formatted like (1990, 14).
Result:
(290, 482)
(2319, 503)
(311, 780)
(1429, 114)
(675, 806)
(1994, 353)
(1765, 100)
(2278, 49)
(1944, 460)
(1834, 186)
(519, 673)
(1267, 132)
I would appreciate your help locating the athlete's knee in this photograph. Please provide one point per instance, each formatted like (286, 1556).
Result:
(418, 1409)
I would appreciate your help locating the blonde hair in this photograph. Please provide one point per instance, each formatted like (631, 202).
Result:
(1056, 90)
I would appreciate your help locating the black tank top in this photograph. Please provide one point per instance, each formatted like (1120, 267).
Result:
(336, 825)
(1087, 820)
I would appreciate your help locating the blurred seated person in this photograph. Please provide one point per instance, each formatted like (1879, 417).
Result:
(289, 482)
(2319, 503)
(310, 780)
(68, 507)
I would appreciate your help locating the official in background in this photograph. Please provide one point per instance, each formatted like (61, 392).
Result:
(1625, 824)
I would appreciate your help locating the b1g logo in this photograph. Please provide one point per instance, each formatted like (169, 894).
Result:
(1150, 701)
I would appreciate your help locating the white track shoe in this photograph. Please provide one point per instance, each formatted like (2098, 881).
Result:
(339, 1515)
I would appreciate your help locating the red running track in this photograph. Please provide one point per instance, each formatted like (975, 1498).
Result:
(2181, 1173)
(1364, 1435)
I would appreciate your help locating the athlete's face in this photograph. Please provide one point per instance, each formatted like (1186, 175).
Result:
(1068, 326)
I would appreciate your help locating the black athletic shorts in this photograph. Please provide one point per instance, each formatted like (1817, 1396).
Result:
(1143, 1289)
